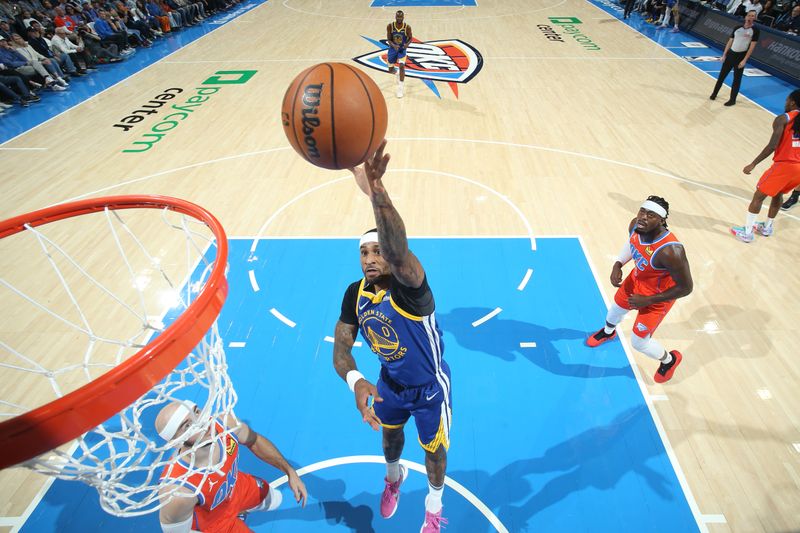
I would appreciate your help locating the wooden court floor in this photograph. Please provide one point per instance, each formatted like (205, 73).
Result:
(574, 138)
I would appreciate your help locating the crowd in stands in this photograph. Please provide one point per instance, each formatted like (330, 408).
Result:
(782, 15)
(46, 43)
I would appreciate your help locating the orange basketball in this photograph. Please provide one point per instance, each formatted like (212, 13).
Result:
(334, 115)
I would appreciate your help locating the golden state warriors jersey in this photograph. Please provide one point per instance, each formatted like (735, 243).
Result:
(399, 35)
(410, 347)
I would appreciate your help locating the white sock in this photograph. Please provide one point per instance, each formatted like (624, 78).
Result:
(608, 330)
(433, 501)
(393, 470)
(667, 359)
(769, 222)
(751, 220)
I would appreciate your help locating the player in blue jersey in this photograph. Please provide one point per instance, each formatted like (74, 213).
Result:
(398, 35)
(393, 307)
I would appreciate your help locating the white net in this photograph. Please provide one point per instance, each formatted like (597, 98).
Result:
(82, 296)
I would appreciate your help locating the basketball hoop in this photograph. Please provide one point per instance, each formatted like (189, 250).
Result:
(109, 417)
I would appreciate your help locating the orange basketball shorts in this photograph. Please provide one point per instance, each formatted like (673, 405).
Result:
(780, 178)
(647, 318)
(249, 492)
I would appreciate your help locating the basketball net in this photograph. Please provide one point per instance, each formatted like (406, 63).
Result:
(89, 297)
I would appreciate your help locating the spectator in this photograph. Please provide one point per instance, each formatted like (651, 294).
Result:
(790, 22)
(40, 44)
(14, 90)
(43, 65)
(133, 26)
(103, 28)
(62, 44)
(33, 73)
(62, 19)
(5, 30)
(153, 10)
(93, 43)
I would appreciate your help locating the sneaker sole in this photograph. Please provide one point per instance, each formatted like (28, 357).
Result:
(403, 473)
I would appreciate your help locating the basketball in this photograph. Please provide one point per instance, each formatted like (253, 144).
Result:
(334, 115)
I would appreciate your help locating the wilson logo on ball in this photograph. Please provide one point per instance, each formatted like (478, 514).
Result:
(334, 115)
(446, 60)
(311, 99)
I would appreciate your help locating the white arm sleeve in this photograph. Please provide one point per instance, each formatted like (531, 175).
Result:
(180, 527)
(625, 254)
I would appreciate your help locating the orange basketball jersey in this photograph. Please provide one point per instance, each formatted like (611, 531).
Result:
(648, 279)
(788, 150)
(219, 484)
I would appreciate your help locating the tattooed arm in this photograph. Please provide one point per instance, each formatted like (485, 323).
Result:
(391, 229)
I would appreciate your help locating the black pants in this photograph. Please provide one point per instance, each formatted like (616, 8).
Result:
(628, 8)
(732, 61)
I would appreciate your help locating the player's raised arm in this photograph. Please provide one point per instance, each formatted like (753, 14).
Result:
(391, 229)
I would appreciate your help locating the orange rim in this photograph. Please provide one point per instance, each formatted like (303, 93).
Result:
(66, 418)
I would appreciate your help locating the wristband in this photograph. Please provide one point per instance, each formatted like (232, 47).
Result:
(352, 378)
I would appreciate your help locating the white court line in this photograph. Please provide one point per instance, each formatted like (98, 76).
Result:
(673, 459)
(330, 339)
(490, 315)
(784, 214)
(503, 197)
(253, 282)
(237, 344)
(10, 521)
(676, 55)
(170, 171)
(796, 446)
(527, 345)
(24, 150)
(379, 459)
(713, 519)
(584, 58)
(659, 398)
(449, 18)
(214, 28)
(277, 314)
(594, 158)
(524, 281)
(293, 60)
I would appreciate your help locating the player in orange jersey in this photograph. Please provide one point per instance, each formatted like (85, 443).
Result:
(212, 500)
(660, 276)
(781, 177)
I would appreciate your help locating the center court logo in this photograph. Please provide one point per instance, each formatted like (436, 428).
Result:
(451, 61)
(568, 26)
(180, 112)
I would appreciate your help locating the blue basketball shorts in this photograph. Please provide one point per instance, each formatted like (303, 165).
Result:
(430, 405)
(396, 55)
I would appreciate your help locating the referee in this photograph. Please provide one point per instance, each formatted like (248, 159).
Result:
(738, 49)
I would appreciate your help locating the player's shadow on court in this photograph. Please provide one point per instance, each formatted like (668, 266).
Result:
(597, 458)
(558, 351)
(332, 507)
